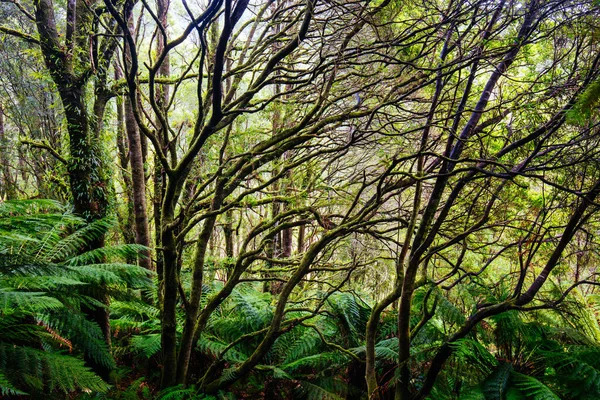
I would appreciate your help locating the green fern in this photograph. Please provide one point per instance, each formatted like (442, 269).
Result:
(47, 371)
(45, 280)
(351, 313)
(182, 393)
(472, 394)
(324, 389)
(149, 344)
(577, 370)
(304, 345)
(473, 354)
(83, 334)
(6, 388)
(316, 362)
(28, 301)
(532, 388)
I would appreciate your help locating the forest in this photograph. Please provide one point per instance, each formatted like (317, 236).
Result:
(300, 199)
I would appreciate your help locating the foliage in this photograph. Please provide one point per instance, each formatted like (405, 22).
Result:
(45, 284)
(341, 199)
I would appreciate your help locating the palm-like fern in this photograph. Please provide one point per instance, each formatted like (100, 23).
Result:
(308, 358)
(524, 357)
(46, 277)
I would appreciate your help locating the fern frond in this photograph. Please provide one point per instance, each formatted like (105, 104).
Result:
(138, 310)
(7, 388)
(447, 310)
(586, 102)
(85, 335)
(74, 243)
(42, 283)
(30, 301)
(181, 393)
(115, 273)
(472, 353)
(532, 388)
(11, 208)
(352, 313)
(472, 394)
(276, 372)
(103, 254)
(305, 344)
(314, 391)
(148, 345)
(53, 370)
(316, 361)
(12, 329)
(253, 308)
(495, 386)
(214, 346)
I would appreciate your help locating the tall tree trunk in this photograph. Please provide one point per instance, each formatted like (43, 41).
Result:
(166, 260)
(286, 234)
(275, 248)
(128, 221)
(70, 66)
(169, 299)
(162, 99)
(138, 179)
(88, 187)
(7, 186)
(228, 236)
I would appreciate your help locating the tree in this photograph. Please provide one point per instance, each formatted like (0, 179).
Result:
(216, 116)
(336, 52)
(428, 157)
(32, 152)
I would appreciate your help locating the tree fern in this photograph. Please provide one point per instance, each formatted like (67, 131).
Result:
(586, 102)
(304, 345)
(148, 345)
(212, 345)
(84, 334)
(44, 282)
(251, 307)
(27, 301)
(48, 371)
(276, 372)
(473, 354)
(496, 385)
(474, 393)
(324, 389)
(316, 362)
(533, 388)
(182, 393)
(577, 369)
(6, 388)
(351, 313)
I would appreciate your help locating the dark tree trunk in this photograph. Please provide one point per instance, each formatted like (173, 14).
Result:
(162, 99)
(88, 178)
(228, 233)
(166, 260)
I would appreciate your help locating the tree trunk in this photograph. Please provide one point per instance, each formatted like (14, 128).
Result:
(7, 188)
(88, 177)
(127, 222)
(169, 301)
(136, 159)
(162, 99)
(228, 236)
